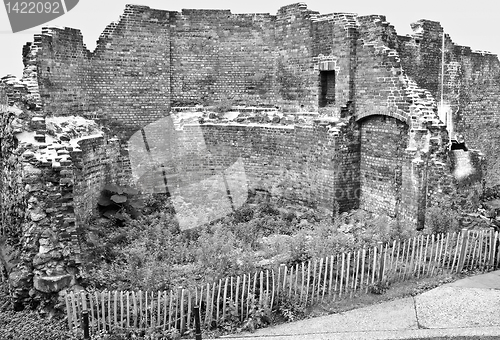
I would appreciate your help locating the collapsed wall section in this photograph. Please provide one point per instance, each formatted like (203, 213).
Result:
(468, 82)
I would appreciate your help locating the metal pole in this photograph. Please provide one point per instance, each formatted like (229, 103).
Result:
(85, 324)
(197, 323)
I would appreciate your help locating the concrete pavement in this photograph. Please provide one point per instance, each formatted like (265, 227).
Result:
(465, 309)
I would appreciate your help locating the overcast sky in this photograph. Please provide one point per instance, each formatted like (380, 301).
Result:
(470, 23)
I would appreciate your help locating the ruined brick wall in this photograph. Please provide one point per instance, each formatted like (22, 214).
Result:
(114, 82)
(222, 59)
(334, 50)
(471, 86)
(421, 55)
(64, 71)
(151, 60)
(478, 115)
(295, 163)
(12, 203)
(297, 83)
(383, 143)
(96, 163)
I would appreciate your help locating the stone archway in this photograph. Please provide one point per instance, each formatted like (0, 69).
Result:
(383, 143)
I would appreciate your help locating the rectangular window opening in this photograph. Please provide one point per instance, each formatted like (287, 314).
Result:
(327, 88)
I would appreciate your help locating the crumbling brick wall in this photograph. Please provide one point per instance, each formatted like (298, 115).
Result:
(295, 163)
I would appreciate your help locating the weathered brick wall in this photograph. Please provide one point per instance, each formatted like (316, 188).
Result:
(219, 58)
(96, 163)
(12, 203)
(64, 71)
(297, 82)
(334, 49)
(296, 163)
(478, 116)
(471, 86)
(115, 81)
(383, 143)
(421, 55)
(379, 82)
(151, 60)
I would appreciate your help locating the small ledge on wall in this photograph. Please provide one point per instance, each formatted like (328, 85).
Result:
(268, 116)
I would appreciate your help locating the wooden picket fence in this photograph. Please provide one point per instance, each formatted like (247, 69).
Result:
(307, 283)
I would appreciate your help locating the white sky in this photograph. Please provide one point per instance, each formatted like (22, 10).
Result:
(469, 23)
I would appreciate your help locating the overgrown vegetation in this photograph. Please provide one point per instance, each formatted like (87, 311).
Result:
(151, 252)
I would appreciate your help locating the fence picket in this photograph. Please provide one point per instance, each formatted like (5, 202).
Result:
(430, 267)
(190, 303)
(248, 295)
(296, 280)
(315, 264)
(404, 259)
(291, 282)
(135, 309)
(342, 275)
(110, 320)
(448, 259)
(413, 253)
(236, 295)
(219, 292)
(308, 280)
(254, 290)
(92, 323)
(331, 276)
(492, 249)
(272, 288)
(320, 269)
(396, 272)
(127, 296)
(325, 284)
(497, 237)
(171, 309)
(425, 262)
(363, 258)
(183, 321)
(103, 310)
(356, 277)
(158, 309)
(231, 285)
(242, 314)
(261, 288)
(98, 317)
(302, 284)
(391, 269)
(285, 270)
(348, 267)
(165, 299)
(438, 254)
(278, 282)
(224, 301)
(484, 245)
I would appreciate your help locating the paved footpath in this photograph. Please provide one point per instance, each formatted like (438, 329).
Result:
(465, 308)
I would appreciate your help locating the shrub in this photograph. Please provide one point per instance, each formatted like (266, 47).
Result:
(118, 201)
